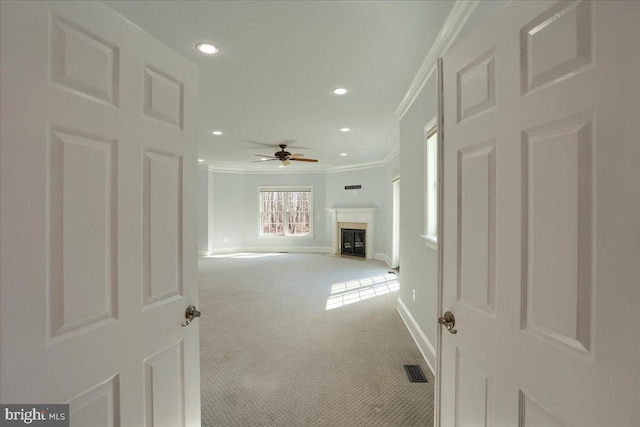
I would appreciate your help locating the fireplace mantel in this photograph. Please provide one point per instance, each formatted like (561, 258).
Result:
(357, 215)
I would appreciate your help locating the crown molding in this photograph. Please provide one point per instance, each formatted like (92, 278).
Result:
(280, 172)
(392, 154)
(355, 167)
(457, 19)
(335, 169)
(226, 169)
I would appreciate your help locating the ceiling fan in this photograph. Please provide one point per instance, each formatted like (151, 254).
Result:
(284, 156)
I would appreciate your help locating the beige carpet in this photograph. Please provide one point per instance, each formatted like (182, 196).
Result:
(306, 340)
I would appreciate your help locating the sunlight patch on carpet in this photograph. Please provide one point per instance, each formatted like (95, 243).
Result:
(350, 292)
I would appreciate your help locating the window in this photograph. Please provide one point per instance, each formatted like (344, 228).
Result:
(431, 190)
(285, 211)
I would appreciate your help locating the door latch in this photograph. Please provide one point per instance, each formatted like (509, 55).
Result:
(449, 321)
(191, 313)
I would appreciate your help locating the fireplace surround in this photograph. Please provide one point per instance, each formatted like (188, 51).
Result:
(354, 219)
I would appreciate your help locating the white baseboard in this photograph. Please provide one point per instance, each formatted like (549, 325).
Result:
(203, 253)
(219, 251)
(426, 348)
(382, 257)
(292, 249)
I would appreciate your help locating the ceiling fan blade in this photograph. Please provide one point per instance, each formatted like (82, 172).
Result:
(263, 155)
(287, 142)
(304, 160)
(261, 143)
(260, 161)
(294, 155)
(286, 162)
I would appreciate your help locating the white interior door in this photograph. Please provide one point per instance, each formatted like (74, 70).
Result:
(98, 220)
(541, 218)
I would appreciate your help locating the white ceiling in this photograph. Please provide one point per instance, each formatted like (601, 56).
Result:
(280, 59)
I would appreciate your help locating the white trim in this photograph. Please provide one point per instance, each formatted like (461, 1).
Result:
(283, 171)
(433, 123)
(393, 153)
(286, 189)
(346, 168)
(382, 257)
(366, 215)
(457, 19)
(395, 223)
(294, 249)
(424, 345)
(431, 166)
(225, 251)
(437, 399)
(395, 178)
(226, 170)
(430, 241)
(355, 167)
(267, 249)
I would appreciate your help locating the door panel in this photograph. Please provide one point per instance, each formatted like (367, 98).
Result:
(557, 231)
(474, 396)
(82, 277)
(162, 225)
(98, 195)
(163, 394)
(476, 227)
(540, 221)
(99, 406)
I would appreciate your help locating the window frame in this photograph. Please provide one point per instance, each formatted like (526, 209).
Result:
(431, 147)
(286, 190)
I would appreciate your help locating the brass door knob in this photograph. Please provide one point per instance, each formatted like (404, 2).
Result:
(191, 313)
(449, 321)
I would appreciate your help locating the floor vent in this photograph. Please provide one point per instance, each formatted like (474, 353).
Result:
(415, 374)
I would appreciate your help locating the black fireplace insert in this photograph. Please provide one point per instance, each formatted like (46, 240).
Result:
(353, 242)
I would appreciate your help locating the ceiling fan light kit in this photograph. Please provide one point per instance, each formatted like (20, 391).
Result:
(284, 156)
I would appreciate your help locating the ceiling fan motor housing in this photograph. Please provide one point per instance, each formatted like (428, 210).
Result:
(282, 155)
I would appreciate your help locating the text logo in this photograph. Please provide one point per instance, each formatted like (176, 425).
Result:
(39, 415)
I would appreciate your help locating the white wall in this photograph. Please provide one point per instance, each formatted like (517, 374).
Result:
(205, 210)
(235, 208)
(229, 192)
(375, 192)
(418, 263)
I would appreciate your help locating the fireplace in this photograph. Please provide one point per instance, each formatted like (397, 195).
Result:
(359, 219)
(352, 242)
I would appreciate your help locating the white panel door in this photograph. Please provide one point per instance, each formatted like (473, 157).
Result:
(98, 223)
(541, 259)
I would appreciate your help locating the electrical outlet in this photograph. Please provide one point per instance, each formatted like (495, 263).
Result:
(414, 294)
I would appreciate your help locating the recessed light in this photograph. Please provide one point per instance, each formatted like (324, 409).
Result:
(200, 160)
(207, 48)
(340, 90)
(216, 133)
(345, 129)
(280, 166)
(343, 154)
